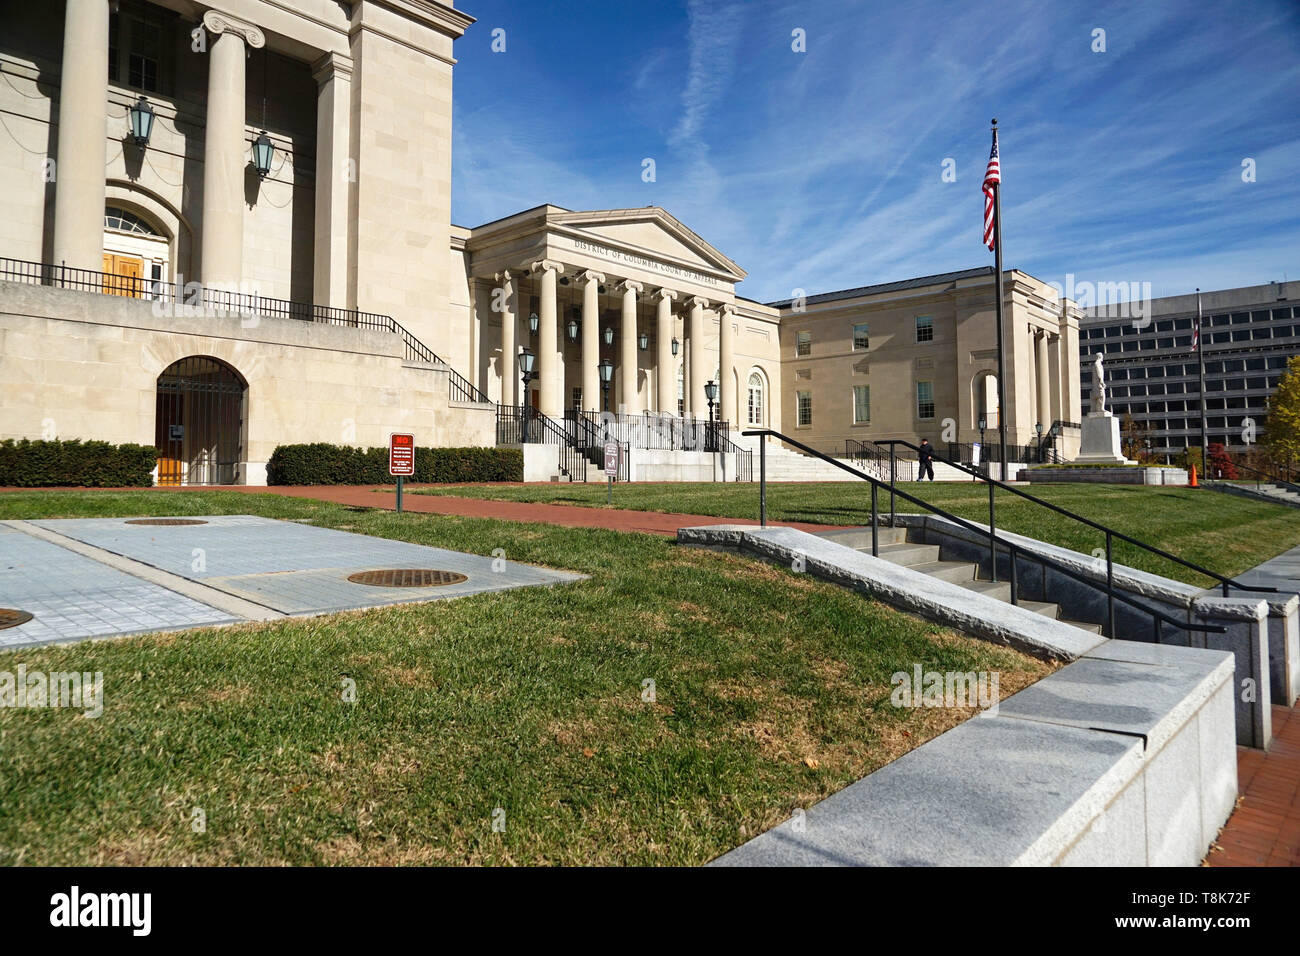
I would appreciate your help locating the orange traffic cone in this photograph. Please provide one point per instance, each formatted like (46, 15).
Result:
(1191, 482)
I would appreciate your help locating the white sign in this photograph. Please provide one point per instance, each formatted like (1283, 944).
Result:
(975, 453)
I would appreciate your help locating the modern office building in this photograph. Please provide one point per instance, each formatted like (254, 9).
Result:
(226, 228)
(1151, 370)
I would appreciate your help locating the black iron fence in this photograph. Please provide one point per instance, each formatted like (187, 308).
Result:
(194, 298)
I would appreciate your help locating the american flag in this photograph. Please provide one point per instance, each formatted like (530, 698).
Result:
(1196, 329)
(992, 177)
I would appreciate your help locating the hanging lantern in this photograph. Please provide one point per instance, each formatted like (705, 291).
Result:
(644, 341)
(609, 335)
(263, 152)
(141, 115)
(676, 345)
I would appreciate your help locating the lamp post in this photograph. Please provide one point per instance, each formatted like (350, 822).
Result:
(984, 457)
(711, 395)
(1038, 428)
(141, 115)
(606, 369)
(526, 360)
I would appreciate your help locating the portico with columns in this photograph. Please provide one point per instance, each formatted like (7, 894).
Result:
(632, 287)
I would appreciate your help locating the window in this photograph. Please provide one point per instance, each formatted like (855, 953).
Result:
(925, 328)
(681, 389)
(861, 340)
(803, 343)
(755, 409)
(577, 396)
(138, 48)
(861, 404)
(803, 402)
(925, 400)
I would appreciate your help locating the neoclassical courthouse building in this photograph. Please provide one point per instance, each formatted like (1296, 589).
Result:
(225, 228)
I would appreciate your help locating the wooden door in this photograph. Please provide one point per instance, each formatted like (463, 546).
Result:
(124, 275)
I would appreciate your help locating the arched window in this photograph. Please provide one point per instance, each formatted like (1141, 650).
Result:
(754, 405)
(120, 220)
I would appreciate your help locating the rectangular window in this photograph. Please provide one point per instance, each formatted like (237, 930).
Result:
(925, 400)
(804, 402)
(925, 328)
(861, 404)
(803, 343)
(861, 339)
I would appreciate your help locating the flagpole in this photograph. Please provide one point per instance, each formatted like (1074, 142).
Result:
(997, 266)
(1200, 374)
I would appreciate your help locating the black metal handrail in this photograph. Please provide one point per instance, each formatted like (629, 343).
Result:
(195, 295)
(1225, 582)
(1158, 617)
(1266, 476)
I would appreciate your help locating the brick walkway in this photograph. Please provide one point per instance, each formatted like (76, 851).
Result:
(573, 516)
(1264, 830)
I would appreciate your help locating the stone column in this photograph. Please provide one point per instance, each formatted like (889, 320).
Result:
(225, 149)
(335, 175)
(726, 364)
(1044, 392)
(549, 370)
(627, 371)
(503, 300)
(591, 340)
(83, 130)
(665, 363)
(699, 373)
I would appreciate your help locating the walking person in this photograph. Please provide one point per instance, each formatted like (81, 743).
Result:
(926, 456)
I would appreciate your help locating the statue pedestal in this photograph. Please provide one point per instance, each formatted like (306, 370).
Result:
(1100, 444)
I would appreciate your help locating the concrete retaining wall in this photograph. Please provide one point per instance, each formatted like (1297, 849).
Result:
(1125, 756)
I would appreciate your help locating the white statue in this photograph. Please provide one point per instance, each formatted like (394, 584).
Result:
(1098, 387)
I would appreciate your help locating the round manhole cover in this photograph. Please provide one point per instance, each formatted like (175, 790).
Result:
(166, 522)
(407, 578)
(9, 617)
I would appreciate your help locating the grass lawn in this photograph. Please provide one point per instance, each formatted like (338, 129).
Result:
(771, 692)
(1223, 533)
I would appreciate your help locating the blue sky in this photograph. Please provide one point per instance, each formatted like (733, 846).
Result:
(823, 170)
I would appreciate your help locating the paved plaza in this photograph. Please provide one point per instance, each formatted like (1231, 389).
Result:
(117, 579)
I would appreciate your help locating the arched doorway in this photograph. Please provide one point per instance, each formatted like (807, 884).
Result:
(199, 428)
(984, 399)
(136, 253)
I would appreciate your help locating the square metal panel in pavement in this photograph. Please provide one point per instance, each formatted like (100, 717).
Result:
(72, 597)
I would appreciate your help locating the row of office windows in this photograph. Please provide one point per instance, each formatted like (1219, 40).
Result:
(1180, 388)
(1253, 334)
(1171, 325)
(1122, 373)
(1153, 409)
(862, 335)
(862, 404)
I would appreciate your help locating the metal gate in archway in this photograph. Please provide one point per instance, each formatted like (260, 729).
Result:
(199, 429)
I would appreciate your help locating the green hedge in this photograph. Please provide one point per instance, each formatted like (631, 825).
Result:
(324, 464)
(74, 463)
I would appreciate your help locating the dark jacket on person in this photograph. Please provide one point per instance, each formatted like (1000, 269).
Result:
(927, 451)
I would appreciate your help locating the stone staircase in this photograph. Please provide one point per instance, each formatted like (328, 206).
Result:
(785, 464)
(895, 548)
(1278, 494)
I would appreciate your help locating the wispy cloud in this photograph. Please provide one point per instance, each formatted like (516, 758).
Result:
(822, 169)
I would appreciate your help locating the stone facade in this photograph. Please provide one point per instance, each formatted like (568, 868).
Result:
(349, 225)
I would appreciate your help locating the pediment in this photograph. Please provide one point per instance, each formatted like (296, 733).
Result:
(651, 231)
